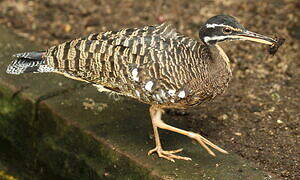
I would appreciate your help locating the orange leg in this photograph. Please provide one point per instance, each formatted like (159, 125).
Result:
(156, 113)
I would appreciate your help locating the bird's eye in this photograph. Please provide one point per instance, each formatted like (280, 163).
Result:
(226, 30)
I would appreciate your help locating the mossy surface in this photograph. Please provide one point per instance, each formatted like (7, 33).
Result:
(47, 147)
(5, 176)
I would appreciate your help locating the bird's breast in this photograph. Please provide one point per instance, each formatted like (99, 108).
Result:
(212, 81)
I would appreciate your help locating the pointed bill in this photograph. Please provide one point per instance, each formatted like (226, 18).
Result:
(251, 36)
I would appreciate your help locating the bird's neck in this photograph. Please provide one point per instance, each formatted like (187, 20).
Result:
(219, 68)
(224, 57)
(218, 59)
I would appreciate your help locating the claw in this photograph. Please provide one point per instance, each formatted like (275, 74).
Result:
(169, 155)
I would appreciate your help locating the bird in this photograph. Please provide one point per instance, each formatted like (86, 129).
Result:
(155, 64)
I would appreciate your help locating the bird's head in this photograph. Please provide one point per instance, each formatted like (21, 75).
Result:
(223, 28)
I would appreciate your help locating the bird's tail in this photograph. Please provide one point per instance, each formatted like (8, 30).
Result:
(28, 62)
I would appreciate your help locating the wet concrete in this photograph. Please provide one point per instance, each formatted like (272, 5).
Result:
(72, 131)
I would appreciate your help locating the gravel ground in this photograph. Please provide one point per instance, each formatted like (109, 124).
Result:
(257, 118)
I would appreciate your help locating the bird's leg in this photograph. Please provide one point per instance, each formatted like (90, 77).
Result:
(169, 155)
(158, 123)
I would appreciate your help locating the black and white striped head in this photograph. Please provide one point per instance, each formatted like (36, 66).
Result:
(223, 27)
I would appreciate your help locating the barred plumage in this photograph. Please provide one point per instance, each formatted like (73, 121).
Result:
(126, 60)
(155, 65)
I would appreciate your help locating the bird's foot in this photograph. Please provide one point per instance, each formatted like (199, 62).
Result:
(169, 155)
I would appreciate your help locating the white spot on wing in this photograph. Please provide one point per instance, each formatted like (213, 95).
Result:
(137, 93)
(181, 94)
(149, 85)
(134, 74)
(171, 92)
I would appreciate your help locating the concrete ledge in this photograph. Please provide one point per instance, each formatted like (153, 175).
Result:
(63, 129)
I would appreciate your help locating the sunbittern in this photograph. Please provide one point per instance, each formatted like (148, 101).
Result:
(155, 65)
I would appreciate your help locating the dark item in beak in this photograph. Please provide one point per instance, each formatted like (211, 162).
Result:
(274, 47)
(273, 43)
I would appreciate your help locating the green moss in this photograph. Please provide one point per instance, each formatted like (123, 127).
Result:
(5, 176)
(46, 143)
(73, 153)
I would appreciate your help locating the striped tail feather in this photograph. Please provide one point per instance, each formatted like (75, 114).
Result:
(28, 62)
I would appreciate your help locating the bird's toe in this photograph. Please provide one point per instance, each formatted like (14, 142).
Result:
(169, 155)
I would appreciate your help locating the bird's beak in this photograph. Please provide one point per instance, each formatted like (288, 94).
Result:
(251, 36)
